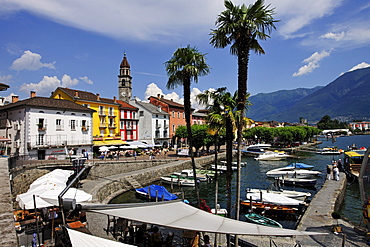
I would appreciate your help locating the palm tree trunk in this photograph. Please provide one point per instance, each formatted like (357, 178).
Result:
(229, 175)
(243, 58)
(187, 106)
(216, 182)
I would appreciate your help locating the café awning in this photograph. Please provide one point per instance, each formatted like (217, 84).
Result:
(109, 143)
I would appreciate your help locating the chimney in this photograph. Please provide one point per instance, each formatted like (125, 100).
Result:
(158, 96)
(114, 99)
(76, 94)
(98, 97)
(32, 94)
(162, 96)
(171, 99)
(15, 98)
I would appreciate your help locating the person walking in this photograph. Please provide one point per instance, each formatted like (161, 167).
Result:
(336, 173)
(328, 172)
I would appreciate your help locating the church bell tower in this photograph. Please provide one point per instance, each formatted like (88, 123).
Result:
(124, 81)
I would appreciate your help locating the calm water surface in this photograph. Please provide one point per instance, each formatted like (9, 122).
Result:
(253, 175)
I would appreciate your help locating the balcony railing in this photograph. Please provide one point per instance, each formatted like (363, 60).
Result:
(37, 141)
(158, 126)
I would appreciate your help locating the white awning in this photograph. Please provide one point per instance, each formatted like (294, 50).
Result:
(177, 214)
(82, 239)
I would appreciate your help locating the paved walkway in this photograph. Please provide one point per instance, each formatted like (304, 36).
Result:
(7, 231)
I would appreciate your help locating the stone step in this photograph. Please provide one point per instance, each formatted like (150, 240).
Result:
(135, 184)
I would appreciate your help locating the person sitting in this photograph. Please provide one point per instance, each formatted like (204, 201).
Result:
(156, 238)
(206, 241)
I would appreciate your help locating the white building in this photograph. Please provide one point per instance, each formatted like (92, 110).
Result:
(153, 123)
(46, 128)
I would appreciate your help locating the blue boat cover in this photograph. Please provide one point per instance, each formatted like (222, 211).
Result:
(162, 191)
(300, 166)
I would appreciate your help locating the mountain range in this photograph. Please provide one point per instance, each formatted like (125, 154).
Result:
(346, 99)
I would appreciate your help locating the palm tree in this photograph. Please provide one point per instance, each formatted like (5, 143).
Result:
(185, 66)
(241, 27)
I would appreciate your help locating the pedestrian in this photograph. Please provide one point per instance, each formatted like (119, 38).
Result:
(340, 165)
(206, 241)
(336, 173)
(71, 152)
(328, 172)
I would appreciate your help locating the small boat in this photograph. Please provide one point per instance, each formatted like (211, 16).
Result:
(287, 193)
(220, 211)
(272, 155)
(209, 173)
(262, 220)
(223, 167)
(300, 166)
(291, 172)
(255, 149)
(155, 192)
(268, 208)
(188, 173)
(275, 199)
(302, 182)
(329, 151)
(177, 180)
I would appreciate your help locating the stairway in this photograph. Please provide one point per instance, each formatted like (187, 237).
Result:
(134, 184)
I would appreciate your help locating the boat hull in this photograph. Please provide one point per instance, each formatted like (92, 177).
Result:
(262, 220)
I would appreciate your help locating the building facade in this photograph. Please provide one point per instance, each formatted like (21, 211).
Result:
(46, 128)
(153, 123)
(129, 121)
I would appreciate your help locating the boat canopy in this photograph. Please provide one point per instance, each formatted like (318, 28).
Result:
(177, 214)
(354, 154)
(158, 191)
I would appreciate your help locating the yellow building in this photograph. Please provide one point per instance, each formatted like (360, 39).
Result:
(105, 121)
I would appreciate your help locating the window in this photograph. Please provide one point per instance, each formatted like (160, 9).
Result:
(58, 123)
(41, 123)
(141, 113)
(111, 122)
(111, 111)
(84, 125)
(73, 124)
(183, 115)
(134, 115)
(40, 139)
(101, 110)
(178, 114)
(173, 114)
(173, 128)
(121, 124)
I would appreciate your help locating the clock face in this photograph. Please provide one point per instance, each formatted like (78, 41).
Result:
(123, 93)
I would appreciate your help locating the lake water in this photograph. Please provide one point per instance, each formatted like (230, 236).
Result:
(253, 175)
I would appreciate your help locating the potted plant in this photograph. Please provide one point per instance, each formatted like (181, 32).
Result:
(336, 216)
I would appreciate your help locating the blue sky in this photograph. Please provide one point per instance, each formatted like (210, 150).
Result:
(80, 44)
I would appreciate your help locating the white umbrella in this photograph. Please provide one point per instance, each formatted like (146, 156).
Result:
(112, 147)
(103, 148)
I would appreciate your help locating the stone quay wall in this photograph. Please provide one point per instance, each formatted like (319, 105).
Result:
(111, 186)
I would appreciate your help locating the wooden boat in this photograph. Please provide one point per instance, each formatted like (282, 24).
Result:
(268, 208)
(262, 220)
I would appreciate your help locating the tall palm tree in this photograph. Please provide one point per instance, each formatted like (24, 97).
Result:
(241, 27)
(185, 66)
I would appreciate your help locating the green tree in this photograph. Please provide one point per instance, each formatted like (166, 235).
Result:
(241, 27)
(187, 65)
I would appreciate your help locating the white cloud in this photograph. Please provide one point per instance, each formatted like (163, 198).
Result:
(153, 90)
(6, 79)
(335, 36)
(48, 84)
(86, 80)
(30, 61)
(312, 63)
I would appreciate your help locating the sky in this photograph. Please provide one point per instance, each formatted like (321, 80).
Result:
(80, 44)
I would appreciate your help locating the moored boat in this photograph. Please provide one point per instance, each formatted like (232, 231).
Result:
(272, 155)
(155, 192)
(291, 172)
(300, 166)
(268, 208)
(262, 220)
(274, 199)
(302, 182)
(288, 193)
(177, 180)
(330, 151)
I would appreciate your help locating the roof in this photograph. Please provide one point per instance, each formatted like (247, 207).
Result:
(171, 103)
(151, 108)
(177, 214)
(124, 63)
(3, 87)
(42, 102)
(83, 95)
(126, 105)
(199, 114)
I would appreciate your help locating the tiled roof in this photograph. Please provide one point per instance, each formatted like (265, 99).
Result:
(3, 87)
(126, 105)
(169, 102)
(152, 108)
(124, 63)
(42, 102)
(83, 95)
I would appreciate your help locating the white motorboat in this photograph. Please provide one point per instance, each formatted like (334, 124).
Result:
(177, 180)
(288, 193)
(274, 199)
(188, 173)
(330, 151)
(223, 168)
(220, 211)
(255, 149)
(272, 155)
(291, 172)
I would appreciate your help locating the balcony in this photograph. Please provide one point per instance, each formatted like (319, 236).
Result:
(102, 126)
(102, 114)
(41, 128)
(158, 126)
(112, 126)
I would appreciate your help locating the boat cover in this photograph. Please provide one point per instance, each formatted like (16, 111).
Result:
(82, 239)
(162, 192)
(177, 214)
(300, 166)
(274, 199)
